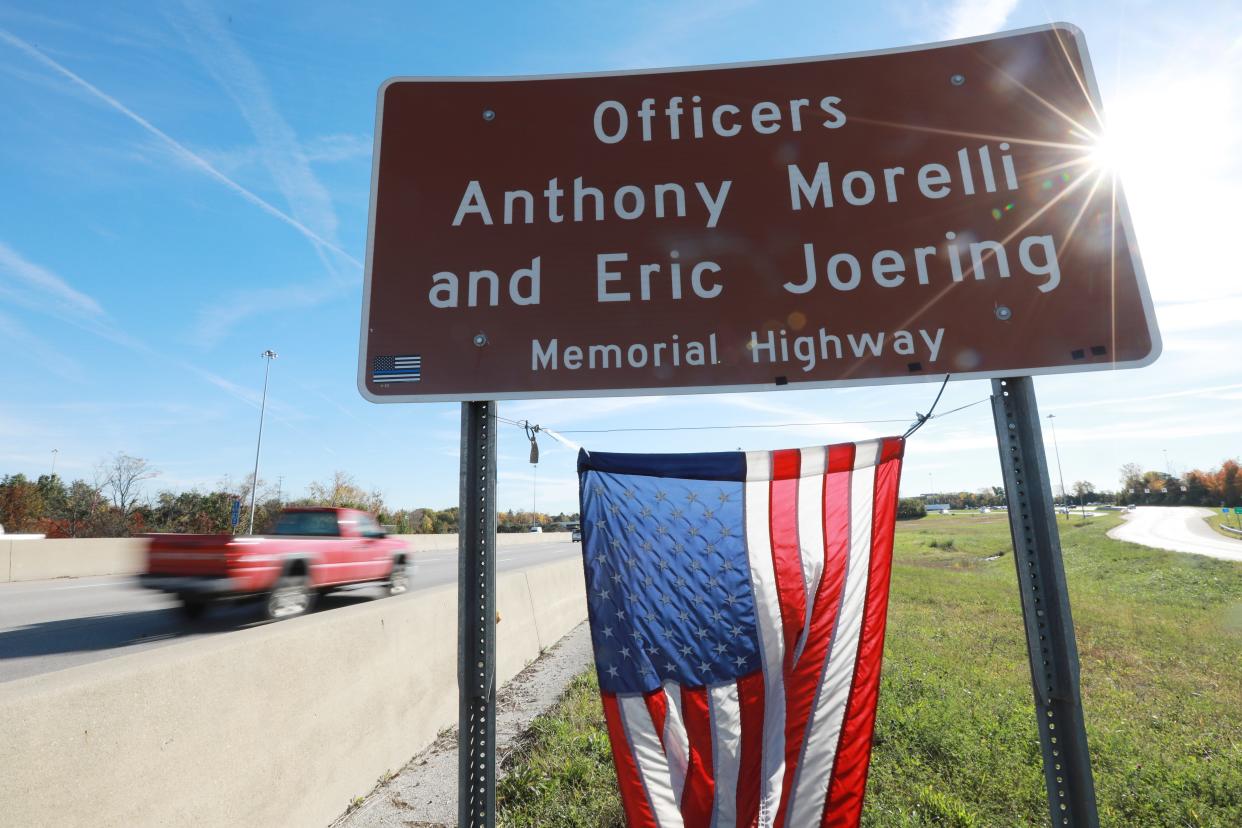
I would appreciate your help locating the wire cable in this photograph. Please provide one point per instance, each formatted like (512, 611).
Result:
(923, 418)
(920, 420)
(724, 427)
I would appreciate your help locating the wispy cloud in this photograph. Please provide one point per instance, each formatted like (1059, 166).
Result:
(1200, 314)
(565, 413)
(21, 277)
(322, 149)
(279, 148)
(49, 359)
(37, 289)
(287, 162)
(328, 149)
(965, 18)
(216, 320)
(180, 150)
(1207, 391)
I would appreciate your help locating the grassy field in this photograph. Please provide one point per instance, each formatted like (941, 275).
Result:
(1160, 640)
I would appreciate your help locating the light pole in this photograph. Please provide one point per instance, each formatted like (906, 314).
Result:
(1064, 495)
(1167, 467)
(54, 453)
(269, 355)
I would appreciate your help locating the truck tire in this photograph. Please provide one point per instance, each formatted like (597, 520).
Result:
(292, 596)
(192, 608)
(399, 579)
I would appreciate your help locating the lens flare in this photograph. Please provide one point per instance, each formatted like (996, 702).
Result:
(1104, 154)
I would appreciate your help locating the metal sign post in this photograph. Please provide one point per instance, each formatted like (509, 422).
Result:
(1045, 604)
(476, 619)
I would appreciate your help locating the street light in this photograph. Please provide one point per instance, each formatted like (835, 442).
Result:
(1060, 476)
(54, 453)
(269, 355)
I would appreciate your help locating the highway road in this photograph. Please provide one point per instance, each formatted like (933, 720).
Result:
(1179, 528)
(50, 625)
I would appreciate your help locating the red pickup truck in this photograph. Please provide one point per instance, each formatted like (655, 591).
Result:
(308, 552)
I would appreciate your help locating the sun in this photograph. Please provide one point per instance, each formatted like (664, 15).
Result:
(1105, 153)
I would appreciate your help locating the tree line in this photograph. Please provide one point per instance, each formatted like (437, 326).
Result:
(1221, 486)
(114, 503)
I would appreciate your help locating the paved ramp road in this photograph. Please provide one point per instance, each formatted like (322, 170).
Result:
(50, 625)
(1179, 528)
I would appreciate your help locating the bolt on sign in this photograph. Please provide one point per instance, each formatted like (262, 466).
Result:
(864, 219)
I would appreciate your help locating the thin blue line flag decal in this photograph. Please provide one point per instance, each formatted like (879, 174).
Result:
(397, 368)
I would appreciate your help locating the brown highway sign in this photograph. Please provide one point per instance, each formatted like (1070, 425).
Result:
(863, 219)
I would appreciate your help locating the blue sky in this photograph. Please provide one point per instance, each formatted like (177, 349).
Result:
(186, 184)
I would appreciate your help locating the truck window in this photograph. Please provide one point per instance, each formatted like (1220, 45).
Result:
(317, 524)
(368, 528)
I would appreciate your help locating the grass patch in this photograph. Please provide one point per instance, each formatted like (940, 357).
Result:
(1231, 520)
(1160, 641)
(561, 774)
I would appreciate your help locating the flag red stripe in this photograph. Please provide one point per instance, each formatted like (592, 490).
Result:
(750, 768)
(803, 682)
(634, 800)
(698, 794)
(657, 706)
(786, 554)
(843, 806)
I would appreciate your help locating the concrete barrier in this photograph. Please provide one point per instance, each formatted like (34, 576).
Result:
(75, 558)
(34, 560)
(277, 725)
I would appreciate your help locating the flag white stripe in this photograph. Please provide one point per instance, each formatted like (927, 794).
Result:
(771, 641)
(725, 713)
(811, 533)
(867, 453)
(649, 756)
(810, 782)
(676, 740)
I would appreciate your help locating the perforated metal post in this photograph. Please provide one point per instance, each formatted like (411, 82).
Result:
(476, 619)
(1045, 605)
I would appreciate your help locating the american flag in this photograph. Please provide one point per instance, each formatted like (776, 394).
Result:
(737, 604)
(397, 368)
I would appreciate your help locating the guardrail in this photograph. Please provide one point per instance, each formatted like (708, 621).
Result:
(276, 725)
(1231, 530)
(34, 560)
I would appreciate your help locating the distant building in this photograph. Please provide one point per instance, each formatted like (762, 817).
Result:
(938, 507)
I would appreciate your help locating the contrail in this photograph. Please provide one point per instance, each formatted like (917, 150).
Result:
(180, 149)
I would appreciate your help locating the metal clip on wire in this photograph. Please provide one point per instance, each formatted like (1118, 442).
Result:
(922, 418)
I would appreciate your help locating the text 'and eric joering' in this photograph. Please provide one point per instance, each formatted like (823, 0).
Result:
(816, 185)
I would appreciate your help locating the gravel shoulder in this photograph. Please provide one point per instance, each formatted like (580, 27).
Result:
(424, 793)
